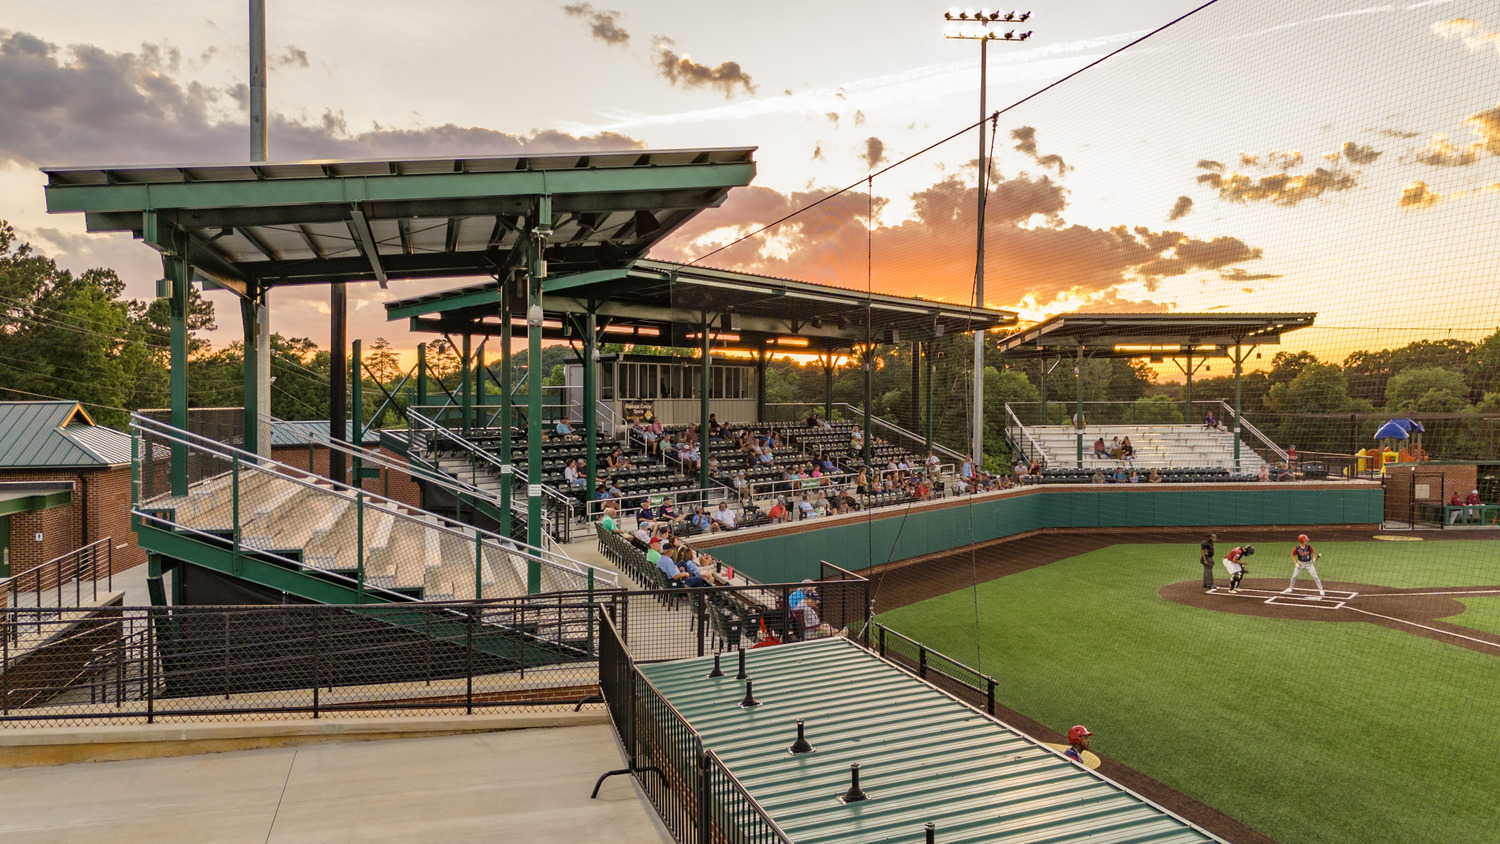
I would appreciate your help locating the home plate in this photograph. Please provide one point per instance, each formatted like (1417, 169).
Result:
(1309, 598)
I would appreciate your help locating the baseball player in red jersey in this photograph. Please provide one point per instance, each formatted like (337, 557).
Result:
(1232, 562)
(1303, 554)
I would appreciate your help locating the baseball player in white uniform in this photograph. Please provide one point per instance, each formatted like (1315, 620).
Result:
(1303, 554)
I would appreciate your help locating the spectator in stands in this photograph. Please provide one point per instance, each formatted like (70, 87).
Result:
(1473, 512)
(714, 428)
(611, 521)
(857, 442)
(642, 533)
(601, 493)
(934, 466)
(813, 626)
(700, 521)
(892, 466)
(812, 420)
(692, 434)
(667, 515)
(1264, 474)
(571, 474)
(1135, 477)
(1127, 451)
(862, 481)
(614, 490)
(1114, 448)
(805, 507)
(1020, 468)
(1080, 422)
(742, 486)
(847, 503)
(921, 490)
(724, 516)
(564, 429)
(1119, 476)
(778, 513)
(675, 575)
(1155, 477)
(821, 504)
(645, 516)
(767, 456)
(1283, 473)
(1035, 469)
(713, 465)
(1291, 456)
(647, 437)
(616, 461)
(1098, 477)
(689, 457)
(826, 463)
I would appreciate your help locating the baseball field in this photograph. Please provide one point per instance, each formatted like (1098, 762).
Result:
(1370, 717)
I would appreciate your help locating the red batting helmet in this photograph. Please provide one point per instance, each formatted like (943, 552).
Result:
(1302, 538)
(1077, 733)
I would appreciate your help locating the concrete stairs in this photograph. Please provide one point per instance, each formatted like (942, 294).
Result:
(1156, 447)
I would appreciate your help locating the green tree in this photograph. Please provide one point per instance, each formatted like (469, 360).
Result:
(1483, 365)
(1154, 410)
(382, 363)
(1318, 388)
(1426, 389)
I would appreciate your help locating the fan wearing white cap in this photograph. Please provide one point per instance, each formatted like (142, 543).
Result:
(1303, 554)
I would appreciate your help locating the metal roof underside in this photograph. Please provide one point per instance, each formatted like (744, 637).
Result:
(661, 303)
(275, 224)
(1144, 335)
(923, 756)
(57, 435)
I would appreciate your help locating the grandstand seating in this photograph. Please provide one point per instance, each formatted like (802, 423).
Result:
(1164, 447)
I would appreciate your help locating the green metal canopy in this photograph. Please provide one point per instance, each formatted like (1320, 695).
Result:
(1147, 335)
(667, 304)
(274, 224)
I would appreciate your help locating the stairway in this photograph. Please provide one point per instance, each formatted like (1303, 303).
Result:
(1156, 447)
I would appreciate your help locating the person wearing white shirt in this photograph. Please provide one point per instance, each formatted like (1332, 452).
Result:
(724, 516)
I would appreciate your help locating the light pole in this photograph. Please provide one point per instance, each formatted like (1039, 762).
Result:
(984, 26)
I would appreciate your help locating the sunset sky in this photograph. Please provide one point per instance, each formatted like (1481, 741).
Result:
(1341, 157)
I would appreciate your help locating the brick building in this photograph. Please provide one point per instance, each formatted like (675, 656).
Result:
(64, 482)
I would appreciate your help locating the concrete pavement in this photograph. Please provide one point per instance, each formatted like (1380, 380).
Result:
(517, 785)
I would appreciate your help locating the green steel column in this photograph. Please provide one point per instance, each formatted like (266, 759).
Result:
(931, 377)
(827, 386)
(1043, 363)
(338, 378)
(536, 245)
(704, 382)
(590, 406)
(1239, 361)
(250, 319)
(357, 399)
(176, 271)
(869, 365)
(1187, 393)
(154, 586)
(479, 374)
(915, 413)
(506, 477)
(760, 385)
(466, 395)
(1078, 429)
(421, 375)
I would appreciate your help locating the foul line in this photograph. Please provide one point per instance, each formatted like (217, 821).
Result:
(1484, 642)
(1405, 594)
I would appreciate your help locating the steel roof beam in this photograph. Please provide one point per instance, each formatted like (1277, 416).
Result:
(361, 228)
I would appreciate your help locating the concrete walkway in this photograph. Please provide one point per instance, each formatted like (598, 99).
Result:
(519, 785)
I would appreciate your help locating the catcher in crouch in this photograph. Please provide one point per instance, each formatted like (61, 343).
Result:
(1303, 554)
(1232, 562)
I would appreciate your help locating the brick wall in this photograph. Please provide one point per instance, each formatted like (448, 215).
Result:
(105, 493)
(1405, 483)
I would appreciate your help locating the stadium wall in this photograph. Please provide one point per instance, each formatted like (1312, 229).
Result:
(856, 541)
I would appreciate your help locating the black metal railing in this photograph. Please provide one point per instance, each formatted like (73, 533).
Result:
(697, 797)
(972, 687)
(65, 581)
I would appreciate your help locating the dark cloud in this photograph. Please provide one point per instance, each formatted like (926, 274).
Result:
(85, 105)
(1240, 274)
(874, 152)
(818, 153)
(1206, 164)
(1359, 155)
(1181, 208)
(1033, 250)
(1025, 138)
(682, 70)
(1418, 195)
(603, 23)
(293, 56)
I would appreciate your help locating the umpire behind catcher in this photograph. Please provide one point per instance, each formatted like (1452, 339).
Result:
(1206, 557)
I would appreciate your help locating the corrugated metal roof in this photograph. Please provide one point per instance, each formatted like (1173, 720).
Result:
(298, 432)
(56, 435)
(923, 756)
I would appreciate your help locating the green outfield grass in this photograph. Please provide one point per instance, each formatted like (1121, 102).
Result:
(1307, 731)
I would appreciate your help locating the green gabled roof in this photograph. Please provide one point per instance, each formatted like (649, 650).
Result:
(57, 435)
(923, 757)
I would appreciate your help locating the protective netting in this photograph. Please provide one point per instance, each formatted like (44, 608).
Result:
(1337, 159)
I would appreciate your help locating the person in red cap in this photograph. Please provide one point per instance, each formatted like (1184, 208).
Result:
(1303, 554)
(1078, 738)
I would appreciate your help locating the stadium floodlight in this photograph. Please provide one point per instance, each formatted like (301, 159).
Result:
(974, 24)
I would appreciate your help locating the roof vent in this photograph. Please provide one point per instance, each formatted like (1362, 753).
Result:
(799, 746)
(717, 672)
(749, 700)
(853, 795)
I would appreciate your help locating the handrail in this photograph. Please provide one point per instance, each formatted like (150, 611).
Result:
(1046, 458)
(1245, 425)
(750, 802)
(358, 497)
(12, 586)
(517, 474)
(900, 431)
